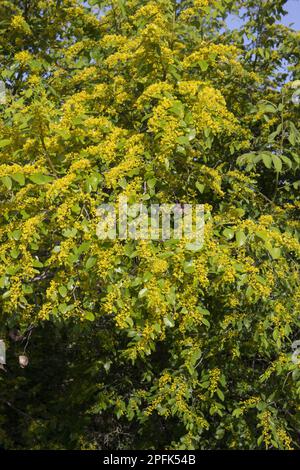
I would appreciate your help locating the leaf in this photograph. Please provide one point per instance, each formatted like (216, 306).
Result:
(3, 282)
(275, 252)
(14, 253)
(246, 158)
(83, 247)
(7, 182)
(196, 246)
(267, 159)
(4, 143)
(151, 183)
(260, 440)
(63, 308)
(90, 262)
(203, 65)
(174, 72)
(205, 322)
(39, 178)
(16, 234)
(200, 187)
(191, 134)
(19, 178)
(277, 163)
(171, 296)
(287, 161)
(240, 238)
(70, 232)
(189, 267)
(262, 235)
(237, 412)
(143, 292)
(27, 289)
(294, 134)
(63, 291)
(292, 138)
(177, 108)
(267, 107)
(228, 233)
(89, 316)
(182, 140)
(169, 322)
(37, 264)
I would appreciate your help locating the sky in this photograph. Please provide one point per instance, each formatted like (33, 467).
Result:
(293, 15)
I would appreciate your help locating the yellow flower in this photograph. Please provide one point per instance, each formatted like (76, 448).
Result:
(23, 57)
(18, 22)
(159, 266)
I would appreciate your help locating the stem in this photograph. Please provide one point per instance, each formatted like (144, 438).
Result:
(46, 152)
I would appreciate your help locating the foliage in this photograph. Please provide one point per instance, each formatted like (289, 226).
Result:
(149, 344)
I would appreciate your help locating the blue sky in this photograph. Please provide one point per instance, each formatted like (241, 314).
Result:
(293, 15)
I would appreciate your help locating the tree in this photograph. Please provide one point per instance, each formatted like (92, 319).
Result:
(149, 344)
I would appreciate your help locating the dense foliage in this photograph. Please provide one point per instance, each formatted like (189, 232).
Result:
(149, 344)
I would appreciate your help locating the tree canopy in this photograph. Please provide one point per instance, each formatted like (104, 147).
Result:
(149, 344)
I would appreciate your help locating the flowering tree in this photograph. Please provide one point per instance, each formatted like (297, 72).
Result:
(149, 344)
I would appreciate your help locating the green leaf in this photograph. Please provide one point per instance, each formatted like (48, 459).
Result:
(177, 108)
(63, 308)
(143, 292)
(287, 161)
(228, 233)
(63, 291)
(27, 289)
(39, 178)
(203, 65)
(275, 252)
(37, 264)
(169, 322)
(151, 183)
(267, 107)
(183, 140)
(16, 234)
(196, 246)
(90, 262)
(19, 178)
(189, 267)
(262, 235)
(200, 187)
(83, 247)
(171, 296)
(237, 412)
(205, 322)
(267, 159)
(277, 163)
(7, 182)
(14, 253)
(4, 143)
(3, 282)
(70, 232)
(191, 134)
(240, 238)
(89, 316)
(246, 158)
